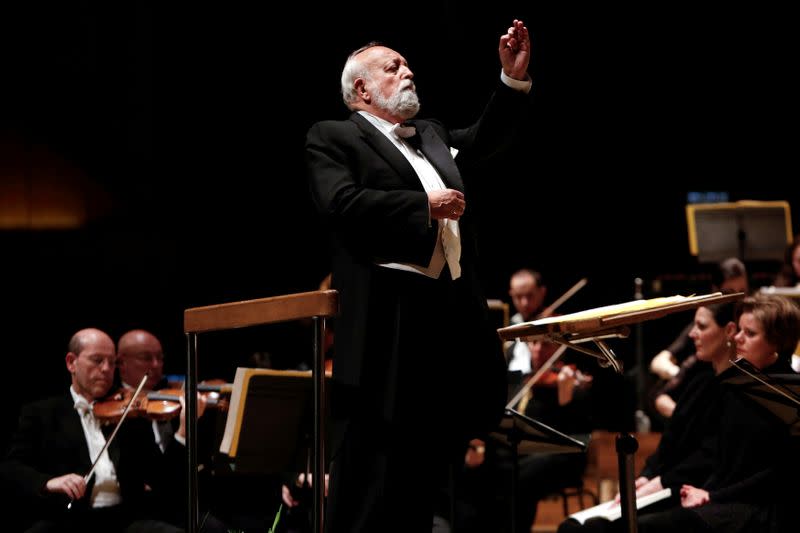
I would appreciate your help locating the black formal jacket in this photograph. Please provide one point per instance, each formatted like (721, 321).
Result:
(49, 442)
(377, 211)
(685, 452)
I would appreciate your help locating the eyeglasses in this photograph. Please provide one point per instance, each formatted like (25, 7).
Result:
(96, 360)
(145, 357)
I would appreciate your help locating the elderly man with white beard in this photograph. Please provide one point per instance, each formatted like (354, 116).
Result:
(412, 332)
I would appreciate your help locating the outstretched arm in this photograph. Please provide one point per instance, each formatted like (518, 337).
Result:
(515, 51)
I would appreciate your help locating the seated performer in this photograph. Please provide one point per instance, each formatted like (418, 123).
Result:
(139, 353)
(752, 456)
(789, 274)
(675, 364)
(58, 440)
(560, 399)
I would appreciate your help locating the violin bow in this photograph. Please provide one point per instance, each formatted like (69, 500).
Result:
(88, 476)
(530, 383)
(563, 298)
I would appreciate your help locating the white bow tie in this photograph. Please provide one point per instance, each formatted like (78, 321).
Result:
(83, 406)
(404, 130)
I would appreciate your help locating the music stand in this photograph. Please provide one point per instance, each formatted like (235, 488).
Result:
(270, 420)
(525, 435)
(317, 305)
(787, 292)
(778, 393)
(596, 325)
(747, 229)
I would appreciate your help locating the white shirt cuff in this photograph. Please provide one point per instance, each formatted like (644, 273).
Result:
(517, 85)
(180, 439)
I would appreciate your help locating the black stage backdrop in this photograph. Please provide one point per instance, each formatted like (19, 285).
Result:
(185, 125)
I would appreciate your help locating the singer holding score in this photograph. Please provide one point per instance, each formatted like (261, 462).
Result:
(59, 439)
(413, 333)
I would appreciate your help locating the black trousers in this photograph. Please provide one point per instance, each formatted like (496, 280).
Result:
(402, 426)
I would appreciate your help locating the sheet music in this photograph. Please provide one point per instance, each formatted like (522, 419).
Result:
(613, 511)
(626, 307)
(610, 320)
(234, 410)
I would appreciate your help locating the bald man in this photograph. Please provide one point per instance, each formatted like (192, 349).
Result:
(58, 440)
(140, 353)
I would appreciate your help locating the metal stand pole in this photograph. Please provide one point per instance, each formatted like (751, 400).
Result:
(627, 445)
(319, 427)
(190, 397)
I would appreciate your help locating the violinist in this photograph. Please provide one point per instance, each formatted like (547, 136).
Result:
(139, 354)
(57, 442)
(527, 292)
(561, 400)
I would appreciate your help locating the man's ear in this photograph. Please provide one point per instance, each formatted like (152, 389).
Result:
(361, 89)
(71, 359)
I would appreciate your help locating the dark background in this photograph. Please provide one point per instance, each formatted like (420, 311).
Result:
(181, 129)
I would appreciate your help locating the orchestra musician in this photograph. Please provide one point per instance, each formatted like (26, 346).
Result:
(683, 452)
(528, 292)
(730, 275)
(789, 273)
(139, 354)
(561, 399)
(749, 452)
(58, 440)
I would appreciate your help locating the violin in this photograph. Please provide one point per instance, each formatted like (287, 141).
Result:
(163, 404)
(550, 377)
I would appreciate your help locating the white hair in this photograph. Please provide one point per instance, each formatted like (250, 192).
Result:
(354, 69)
(403, 103)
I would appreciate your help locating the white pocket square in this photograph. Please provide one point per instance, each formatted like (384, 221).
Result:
(453, 152)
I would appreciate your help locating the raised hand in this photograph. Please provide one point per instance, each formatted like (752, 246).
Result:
(515, 51)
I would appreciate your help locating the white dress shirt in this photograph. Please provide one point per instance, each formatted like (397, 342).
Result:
(105, 491)
(430, 180)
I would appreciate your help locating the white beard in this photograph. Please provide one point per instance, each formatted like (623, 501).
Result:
(403, 103)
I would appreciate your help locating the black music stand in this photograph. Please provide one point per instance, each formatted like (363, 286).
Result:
(316, 305)
(749, 230)
(525, 435)
(270, 421)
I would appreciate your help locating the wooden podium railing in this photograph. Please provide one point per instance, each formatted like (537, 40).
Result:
(317, 305)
